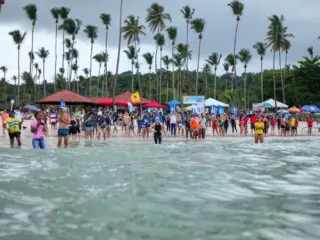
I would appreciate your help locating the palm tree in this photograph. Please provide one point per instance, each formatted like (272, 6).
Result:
(237, 9)
(226, 69)
(160, 40)
(131, 53)
(106, 21)
(149, 60)
(187, 13)
(55, 15)
(206, 70)
(167, 61)
(75, 68)
(14, 79)
(31, 11)
(214, 61)
(91, 32)
(38, 80)
(179, 61)
(156, 17)
(36, 66)
(100, 58)
(185, 53)
(198, 26)
(132, 30)
(245, 57)
(29, 84)
(4, 70)
(310, 51)
(172, 34)
(43, 54)
(286, 45)
(261, 49)
(67, 55)
(18, 38)
(118, 56)
(232, 62)
(63, 14)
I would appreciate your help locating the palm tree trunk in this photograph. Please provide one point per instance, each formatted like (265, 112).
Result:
(199, 49)
(118, 57)
(77, 82)
(227, 82)
(31, 59)
(44, 81)
(156, 68)
(261, 80)
(160, 83)
(274, 81)
(282, 81)
(234, 51)
(90, 69)
(132, 76)
(180, 76)
(55, 59)
(173, 85)
(167, 85)
(215, 83)
(98, 80)
(150, 81)
(187, 62)
(285, 69)
(245, 89)
(18, 100)
(106, 62)
(62, 65)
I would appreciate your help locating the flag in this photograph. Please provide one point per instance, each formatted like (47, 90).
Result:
(135, 98)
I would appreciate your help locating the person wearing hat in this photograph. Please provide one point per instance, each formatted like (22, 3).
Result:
(101, 123)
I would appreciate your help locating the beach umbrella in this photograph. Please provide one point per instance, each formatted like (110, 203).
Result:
(31, 108)
(154, 104)
(294, 110)
(105, 102)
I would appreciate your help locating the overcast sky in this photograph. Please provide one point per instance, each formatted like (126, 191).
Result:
(302, 19)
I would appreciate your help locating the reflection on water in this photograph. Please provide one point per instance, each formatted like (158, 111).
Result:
(178, 190)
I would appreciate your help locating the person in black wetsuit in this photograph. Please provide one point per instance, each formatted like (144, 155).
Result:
(157, 131)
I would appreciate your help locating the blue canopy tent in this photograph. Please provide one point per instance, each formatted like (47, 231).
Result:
(311, 108)
(172, 105)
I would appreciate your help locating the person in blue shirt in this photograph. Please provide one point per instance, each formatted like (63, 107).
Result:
(140, 125)
(101, 125)
(146, 125)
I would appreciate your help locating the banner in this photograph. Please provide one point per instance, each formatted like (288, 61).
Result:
(234, 110)
(221, 110)
(193, 99)
(135, 98)
(62, 104)
(130, 108)
(214, 110)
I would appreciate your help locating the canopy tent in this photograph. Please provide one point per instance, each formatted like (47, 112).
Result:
(294, 109)
(154, 104)
(269, 103)
(127, 97)
(96, 99)
(213, 102)
(67, 96)
(105, 102)
(311, 108)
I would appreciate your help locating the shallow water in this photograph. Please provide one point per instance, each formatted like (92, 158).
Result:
(180, 190)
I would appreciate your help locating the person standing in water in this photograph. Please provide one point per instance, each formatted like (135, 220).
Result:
(13, 124)
(259, 129)
(157, 128)
(39, 129)
(63, 131)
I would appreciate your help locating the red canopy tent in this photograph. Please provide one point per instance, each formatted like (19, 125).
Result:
(154, 104)
(127, 97)
(67, 96)
(105, 102)
(96, 99)
(121, 103)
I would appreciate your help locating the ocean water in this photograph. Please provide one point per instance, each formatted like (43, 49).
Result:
(216, 189)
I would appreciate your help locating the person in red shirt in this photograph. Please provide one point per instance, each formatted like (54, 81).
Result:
(253, 120)
(273, 125)
(246, 125)
(310, 124)
(215, 126)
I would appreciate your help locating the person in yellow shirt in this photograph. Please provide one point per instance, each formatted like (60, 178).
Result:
(13, 126)
(259, 127)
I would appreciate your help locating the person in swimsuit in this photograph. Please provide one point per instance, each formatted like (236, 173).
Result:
(73, 131)
(241, 124)
(115, 120)
(108, 125)
(125, 123)
(53, 120)
(310, 125)
(157, 128)
(233, 124)
(146, 125)
(293, 122)
(259, 128)
(101, 123)
(221, 125)
(273, 125)
(140, 125)
(63, 130)
(88, 125)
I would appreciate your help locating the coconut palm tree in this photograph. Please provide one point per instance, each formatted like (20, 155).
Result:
(261, 49)
(63, 14)
(172, 34)
(67, 55)
(167, 61)
(31, 11)
(18, 38)
(198, 26)
(92, 34)
(207, 70)
(14, 79)
(29, 84)
(106, 21)
(160, 40)
(156, 18)
(36, 66)
(226, 69)
(185, 53)
(38, 80)
(285, 46)
(245, 56)
(187, 13)
(4, 70)
(132, 30)
(75, 68)
(86, 72)
(214, 61)
(99, 58)
(131, 53)
(55, 15)
(237, 9)
(179, 61)
(43, 54)
(232, 62)
(310, 51)
(118, 56)
(148, 57)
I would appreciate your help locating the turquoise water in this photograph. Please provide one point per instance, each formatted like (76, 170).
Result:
(215, 189)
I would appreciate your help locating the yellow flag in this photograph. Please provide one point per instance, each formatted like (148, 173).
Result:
(135, 98)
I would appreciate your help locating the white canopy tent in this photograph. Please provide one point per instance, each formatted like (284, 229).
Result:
(213, 102)
(269, 103)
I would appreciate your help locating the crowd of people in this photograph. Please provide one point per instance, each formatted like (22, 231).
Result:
(102, 123)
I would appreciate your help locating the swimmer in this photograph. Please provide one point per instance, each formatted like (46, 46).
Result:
(259, 127)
